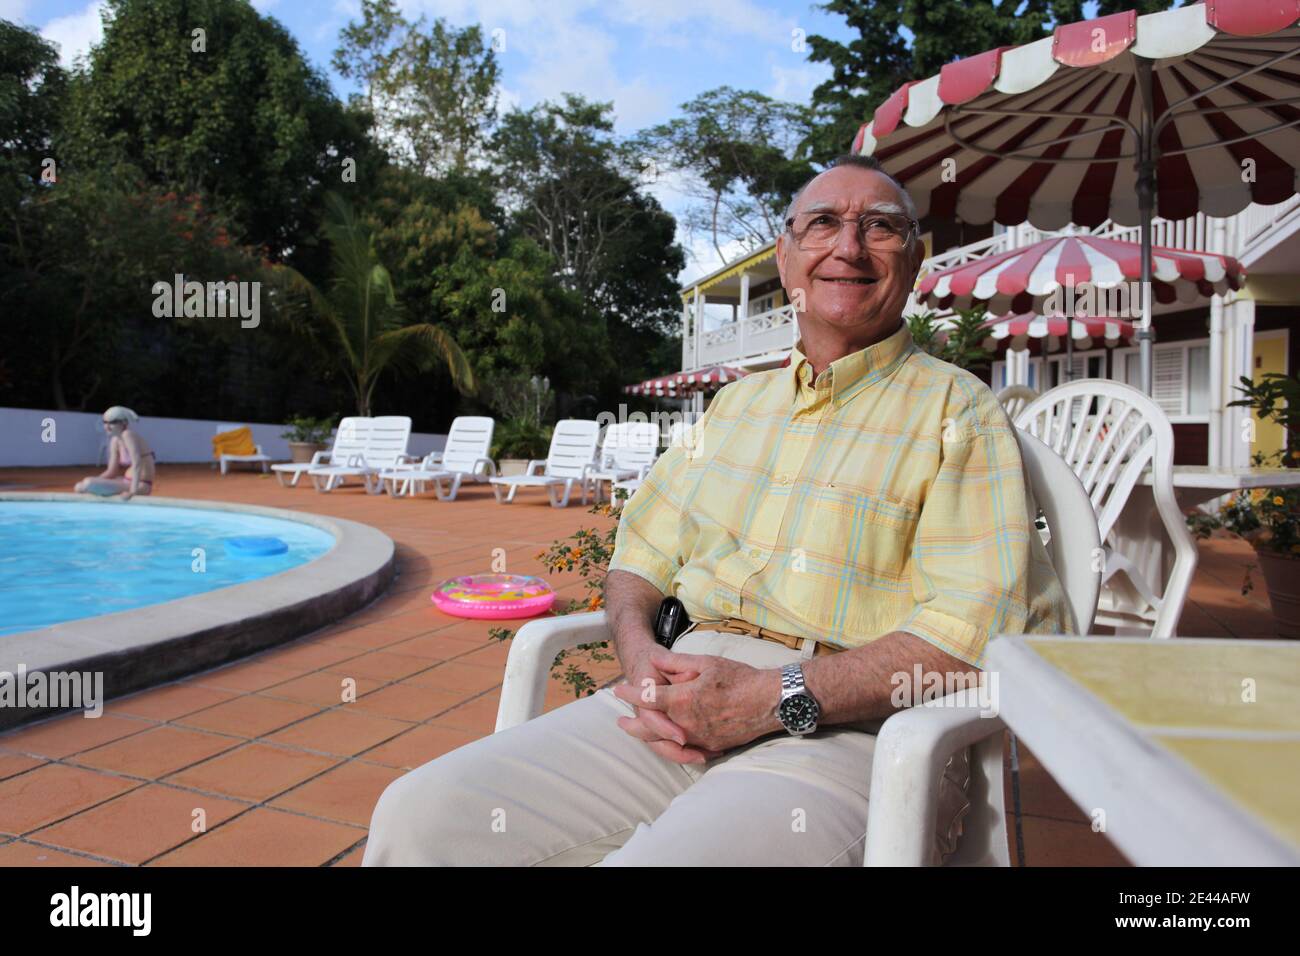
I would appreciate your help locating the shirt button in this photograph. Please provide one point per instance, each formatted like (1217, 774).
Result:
(785, 479)
(755, 553)
(728, 607)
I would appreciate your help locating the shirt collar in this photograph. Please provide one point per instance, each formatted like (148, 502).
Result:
(857, 371)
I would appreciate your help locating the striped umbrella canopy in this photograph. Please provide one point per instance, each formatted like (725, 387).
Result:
(1021, 328)
(1028, 278)
(1121, 117)
(680, 384)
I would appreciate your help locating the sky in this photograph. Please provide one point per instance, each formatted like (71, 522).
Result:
(647, 56)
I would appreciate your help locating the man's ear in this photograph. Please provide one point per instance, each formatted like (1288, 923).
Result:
(780, 259)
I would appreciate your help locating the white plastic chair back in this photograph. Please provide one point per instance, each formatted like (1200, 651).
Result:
(573, 447)
(1014, 398)
(1109, 434)
(350, 438)
(389, 436)
(1074, 547)
(630, 446)
(469, 440)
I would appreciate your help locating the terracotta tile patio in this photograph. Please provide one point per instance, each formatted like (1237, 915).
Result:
(260, 762)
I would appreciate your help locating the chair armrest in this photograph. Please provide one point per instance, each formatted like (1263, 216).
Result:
(532, 651)
(319, 458)
(912, 749)
(533, 466)
(489, 467)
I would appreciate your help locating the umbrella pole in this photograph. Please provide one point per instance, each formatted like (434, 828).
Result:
(1146, 194)
(1069, 347)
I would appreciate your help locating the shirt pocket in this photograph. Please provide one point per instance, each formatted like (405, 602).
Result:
(857, 548)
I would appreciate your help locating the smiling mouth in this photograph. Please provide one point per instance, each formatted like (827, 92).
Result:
(849, 280)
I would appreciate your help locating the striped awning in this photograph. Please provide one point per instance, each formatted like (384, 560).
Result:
(680, 384)
(1077, 268)
(1021, 328)
(1047, 132)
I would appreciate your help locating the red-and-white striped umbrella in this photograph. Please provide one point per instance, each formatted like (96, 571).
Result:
(1021, 328)
(1026, 279)
(1120, 117)
(681, 384)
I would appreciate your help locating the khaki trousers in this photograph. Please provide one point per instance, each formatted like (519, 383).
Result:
(570, 788)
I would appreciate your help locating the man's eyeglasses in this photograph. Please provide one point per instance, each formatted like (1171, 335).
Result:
(883, 231)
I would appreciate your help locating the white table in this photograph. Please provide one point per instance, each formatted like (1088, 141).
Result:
(1140, 534)
(1186, 752)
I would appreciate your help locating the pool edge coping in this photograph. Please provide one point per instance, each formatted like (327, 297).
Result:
(142, 647)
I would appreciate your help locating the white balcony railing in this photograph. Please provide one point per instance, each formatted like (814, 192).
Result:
(737, 342)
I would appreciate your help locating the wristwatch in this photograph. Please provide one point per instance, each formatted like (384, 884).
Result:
(798, 710)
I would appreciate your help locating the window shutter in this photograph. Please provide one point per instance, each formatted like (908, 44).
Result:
(1168, 377)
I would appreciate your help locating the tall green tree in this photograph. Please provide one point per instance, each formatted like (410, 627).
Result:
(573, 188)
(32, 88)
(901, 40)
(210, 96)
(358, 320)
(742, 157)
(431, 88)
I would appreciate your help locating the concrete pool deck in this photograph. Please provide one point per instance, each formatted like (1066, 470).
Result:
(286, 774)
(145, 646)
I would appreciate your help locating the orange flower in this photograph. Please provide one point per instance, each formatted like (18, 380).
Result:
(576, 554)
(1278, 500)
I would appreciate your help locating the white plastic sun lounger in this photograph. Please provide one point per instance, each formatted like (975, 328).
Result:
(630, 449)
(570, 462)
(349, 439)
(385, 449)
(259, 458)
(464, 457)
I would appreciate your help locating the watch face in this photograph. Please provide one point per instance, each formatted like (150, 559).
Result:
(799, 713)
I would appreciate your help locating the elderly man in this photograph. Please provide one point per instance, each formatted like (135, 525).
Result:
(829, 528)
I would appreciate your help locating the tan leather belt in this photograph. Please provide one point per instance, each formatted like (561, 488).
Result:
(734, 625)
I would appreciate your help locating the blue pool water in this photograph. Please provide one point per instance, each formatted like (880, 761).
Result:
(60, 561)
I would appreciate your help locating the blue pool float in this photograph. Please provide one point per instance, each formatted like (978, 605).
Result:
(254, 547)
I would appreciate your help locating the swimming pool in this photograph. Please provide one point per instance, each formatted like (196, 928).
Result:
(62, 561)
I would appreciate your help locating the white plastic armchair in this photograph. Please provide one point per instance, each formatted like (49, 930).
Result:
(914, 746)
(1109, 434)
(1014, 398)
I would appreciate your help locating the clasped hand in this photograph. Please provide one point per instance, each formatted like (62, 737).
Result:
(693, 707)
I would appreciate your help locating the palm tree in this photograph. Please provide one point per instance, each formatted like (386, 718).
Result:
(358, 323)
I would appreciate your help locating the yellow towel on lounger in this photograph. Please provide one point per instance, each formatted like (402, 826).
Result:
(237, 441)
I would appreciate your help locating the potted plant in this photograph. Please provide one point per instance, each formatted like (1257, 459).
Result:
(958, 339)
(306, 436)
(1269, 518)
(524, 402)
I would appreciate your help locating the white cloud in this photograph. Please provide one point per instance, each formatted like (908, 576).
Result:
(14, 10)
(795, 84)
(76, 33)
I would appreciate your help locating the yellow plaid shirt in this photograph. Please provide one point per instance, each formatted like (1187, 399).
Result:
(887, 495)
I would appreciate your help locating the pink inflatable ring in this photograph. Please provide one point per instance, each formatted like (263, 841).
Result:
(495, 596)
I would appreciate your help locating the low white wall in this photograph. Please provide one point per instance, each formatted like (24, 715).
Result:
(31, 437)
